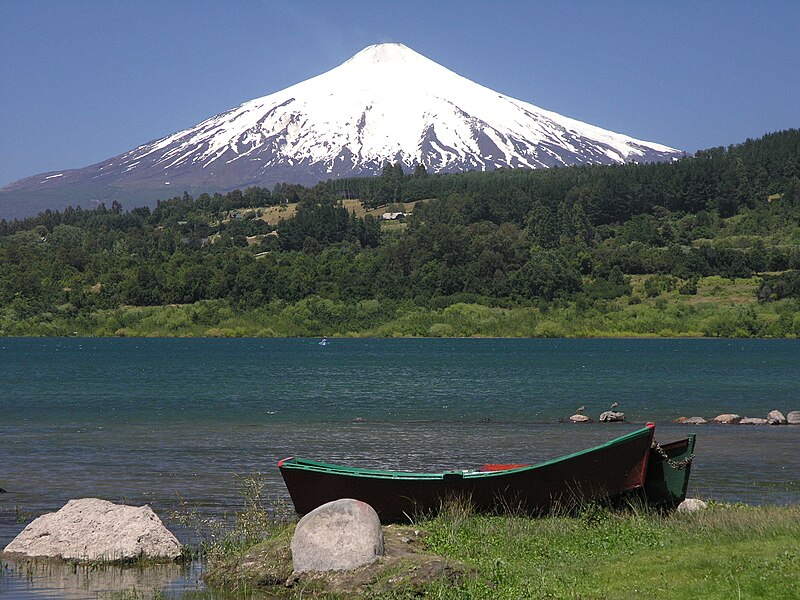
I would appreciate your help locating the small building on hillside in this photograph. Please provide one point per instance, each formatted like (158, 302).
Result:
(393, 216)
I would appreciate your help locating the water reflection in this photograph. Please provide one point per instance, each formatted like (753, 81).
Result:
(41, 580)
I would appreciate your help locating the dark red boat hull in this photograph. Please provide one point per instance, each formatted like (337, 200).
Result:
(602, 472)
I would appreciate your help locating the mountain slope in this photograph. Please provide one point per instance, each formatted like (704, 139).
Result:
(386, 103)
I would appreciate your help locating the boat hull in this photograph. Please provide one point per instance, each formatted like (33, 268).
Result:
(665, 486)
(608, 470)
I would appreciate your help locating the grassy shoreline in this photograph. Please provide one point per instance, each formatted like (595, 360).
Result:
(721, 308)
(594, 552)
(726, 551)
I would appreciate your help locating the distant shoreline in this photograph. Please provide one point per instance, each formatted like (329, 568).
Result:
(717, 311)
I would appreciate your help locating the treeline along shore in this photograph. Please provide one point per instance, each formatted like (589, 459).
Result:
(708, 245)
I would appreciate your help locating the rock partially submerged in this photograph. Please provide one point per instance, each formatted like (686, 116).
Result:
(340, 535)
(91, 529)
(691, 420)
(776, 417)
(612, 416)
(580, 419)
(727, 418)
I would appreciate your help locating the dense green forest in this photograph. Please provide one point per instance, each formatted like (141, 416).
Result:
(706, 245)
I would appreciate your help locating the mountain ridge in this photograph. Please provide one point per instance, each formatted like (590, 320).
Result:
(386, 103)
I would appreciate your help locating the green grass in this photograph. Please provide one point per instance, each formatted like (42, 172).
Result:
(724, 552)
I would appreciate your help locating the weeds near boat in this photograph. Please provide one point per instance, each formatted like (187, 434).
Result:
(255, 521)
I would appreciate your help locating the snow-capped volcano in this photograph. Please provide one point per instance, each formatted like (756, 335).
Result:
(386, 103)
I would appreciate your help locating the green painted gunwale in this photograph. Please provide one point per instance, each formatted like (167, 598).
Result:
(320, 467)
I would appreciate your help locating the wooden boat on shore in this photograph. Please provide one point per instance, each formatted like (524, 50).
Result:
(605, 471)
(668, 470)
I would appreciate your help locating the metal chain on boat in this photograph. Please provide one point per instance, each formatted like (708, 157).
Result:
(675, 464)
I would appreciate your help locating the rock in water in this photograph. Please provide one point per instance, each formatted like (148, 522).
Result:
(337, 536)
(579, 419)
(612, 416)
(691, 505)
(94, 529)
(727, 418)
(793, 418)
(753, 421)
(776, 417)
(691, 420)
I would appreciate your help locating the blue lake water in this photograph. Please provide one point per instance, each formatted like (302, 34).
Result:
(147, 420)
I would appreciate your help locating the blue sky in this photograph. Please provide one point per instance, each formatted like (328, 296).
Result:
(81, 81)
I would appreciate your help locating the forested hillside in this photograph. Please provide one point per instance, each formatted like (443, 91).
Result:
(706, 245)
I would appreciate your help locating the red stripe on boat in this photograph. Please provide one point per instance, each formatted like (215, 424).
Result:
(500, 467)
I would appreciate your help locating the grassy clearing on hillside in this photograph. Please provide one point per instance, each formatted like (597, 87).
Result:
(273, 214)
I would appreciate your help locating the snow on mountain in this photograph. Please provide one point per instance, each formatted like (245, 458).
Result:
(386, 103)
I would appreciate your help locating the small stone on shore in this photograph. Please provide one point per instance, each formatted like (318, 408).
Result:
(692, 505)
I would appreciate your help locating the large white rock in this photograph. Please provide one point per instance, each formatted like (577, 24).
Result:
(94, 529)
(793, 418)
(338, 536)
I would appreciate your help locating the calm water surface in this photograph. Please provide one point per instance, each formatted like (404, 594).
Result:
(147, 420)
